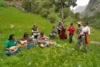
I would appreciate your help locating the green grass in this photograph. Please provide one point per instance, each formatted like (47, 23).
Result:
(64, 55)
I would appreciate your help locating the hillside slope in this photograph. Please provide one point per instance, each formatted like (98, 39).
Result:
(62, 55)
(92, 9)
(92, 13)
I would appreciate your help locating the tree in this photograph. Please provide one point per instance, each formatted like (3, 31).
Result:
(64, 3)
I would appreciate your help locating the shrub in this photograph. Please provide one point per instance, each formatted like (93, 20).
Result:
(44, 12)
(52, 17)
(3, 4)
(27, 5)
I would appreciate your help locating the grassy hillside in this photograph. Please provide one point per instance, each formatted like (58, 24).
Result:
(63, 55)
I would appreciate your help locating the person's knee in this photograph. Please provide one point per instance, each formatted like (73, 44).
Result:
(8, 53)
(30, 45)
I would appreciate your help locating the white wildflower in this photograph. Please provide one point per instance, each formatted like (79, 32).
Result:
(12, 26)
(20, 30)
(29, 63)
(73, 49)
(79, 65)
(58, 45)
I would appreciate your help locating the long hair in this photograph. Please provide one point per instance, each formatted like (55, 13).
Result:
(11, 36)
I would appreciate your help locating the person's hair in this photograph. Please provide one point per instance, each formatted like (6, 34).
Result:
(34, 25)
(25, 34)
(71, 24)
(79, 25)
(53, 26)
(86, 23)
(42, 34)
(11, 36)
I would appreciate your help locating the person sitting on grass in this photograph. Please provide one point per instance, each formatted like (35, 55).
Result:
(35, 31)
(44, 41)
(26, 41)
(11, 46)
(54, 32)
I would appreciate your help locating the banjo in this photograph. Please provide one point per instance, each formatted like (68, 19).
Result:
(15, 48)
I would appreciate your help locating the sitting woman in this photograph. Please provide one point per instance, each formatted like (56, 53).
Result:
(54, 32)
(26, 41)
(35, 32)
(11, 45)
(63, 34)
(44, 41)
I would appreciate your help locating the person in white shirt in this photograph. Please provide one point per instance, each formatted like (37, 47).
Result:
(83, 36)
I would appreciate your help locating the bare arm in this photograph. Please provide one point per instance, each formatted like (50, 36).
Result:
(7, 49)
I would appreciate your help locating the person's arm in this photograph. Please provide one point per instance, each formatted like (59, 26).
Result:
(6, 45)
(74, 28)
(69, 29)
(46, 38)
(88, 31)
(35, 31)
(39, 40)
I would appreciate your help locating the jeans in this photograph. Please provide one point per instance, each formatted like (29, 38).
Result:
(52, 35)
(70, 38)
(82, 39)
(8, 53)
(30, 45)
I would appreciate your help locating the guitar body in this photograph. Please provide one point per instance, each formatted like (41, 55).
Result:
(22, 43)
(13, 49)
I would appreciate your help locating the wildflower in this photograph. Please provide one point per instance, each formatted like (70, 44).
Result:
(29, 63)
(12, 26)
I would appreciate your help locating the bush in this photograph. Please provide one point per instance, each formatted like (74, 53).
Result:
(3, 4)
(27, 5)
(44, 12)
(66, 12)
(52, 17)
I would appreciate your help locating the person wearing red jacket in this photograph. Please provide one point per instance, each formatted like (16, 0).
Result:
(71, 31)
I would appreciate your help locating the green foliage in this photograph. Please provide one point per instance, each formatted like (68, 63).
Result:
(44, 12)
(52, 17)
(93, 21)
(66, 12)
(27, 5)
(45, 7)
(3, 4)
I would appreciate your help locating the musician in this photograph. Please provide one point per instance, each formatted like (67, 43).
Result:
(83, 36)
(25, 41)
(44, 41)
(10, 45)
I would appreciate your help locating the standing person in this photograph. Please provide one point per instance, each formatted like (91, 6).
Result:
(83, 36)
(63, 34)
(59, 27)
(11, 45)
(79, 28)
(71, 31)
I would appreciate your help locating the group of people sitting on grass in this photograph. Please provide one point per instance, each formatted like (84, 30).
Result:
(13, 46)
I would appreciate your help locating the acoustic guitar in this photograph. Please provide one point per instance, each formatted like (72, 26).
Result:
(13, 49)
(22, 43)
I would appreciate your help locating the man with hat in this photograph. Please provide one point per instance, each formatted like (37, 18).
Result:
(83, 36)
